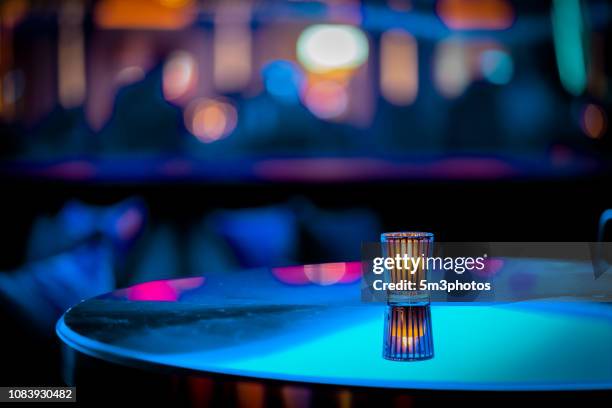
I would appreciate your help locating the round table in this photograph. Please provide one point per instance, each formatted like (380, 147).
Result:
(307, 325)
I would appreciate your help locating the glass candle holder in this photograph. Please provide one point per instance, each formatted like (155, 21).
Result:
(408, 334)
(408, 246)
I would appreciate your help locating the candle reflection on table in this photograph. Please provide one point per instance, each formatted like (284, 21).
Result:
(407, 334)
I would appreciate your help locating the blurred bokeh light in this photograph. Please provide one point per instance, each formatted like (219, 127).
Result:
(180, 74)
(397, 81)
(210, 120)
(325, 47)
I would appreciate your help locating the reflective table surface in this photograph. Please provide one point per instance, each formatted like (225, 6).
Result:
(307, 324)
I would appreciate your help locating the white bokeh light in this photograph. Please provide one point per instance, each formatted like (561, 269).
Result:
(326, 47)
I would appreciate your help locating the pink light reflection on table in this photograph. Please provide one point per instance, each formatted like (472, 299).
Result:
(162, 290)
(323, 274)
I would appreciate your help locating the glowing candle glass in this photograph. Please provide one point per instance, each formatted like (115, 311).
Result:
(407, 334)
(406, 248)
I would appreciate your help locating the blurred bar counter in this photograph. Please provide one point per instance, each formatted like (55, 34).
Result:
(559, 164)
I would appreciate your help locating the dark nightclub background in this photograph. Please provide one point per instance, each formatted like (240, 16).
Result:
(150, 139)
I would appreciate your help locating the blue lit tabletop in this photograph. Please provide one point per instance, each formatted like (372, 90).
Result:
(307, 324)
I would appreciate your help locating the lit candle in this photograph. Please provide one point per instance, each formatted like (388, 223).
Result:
(407, 333)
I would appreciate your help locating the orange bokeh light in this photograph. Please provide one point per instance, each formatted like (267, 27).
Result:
(145, 14)
(594, 122)
(210, 120)
(476, 14)
(326, 99)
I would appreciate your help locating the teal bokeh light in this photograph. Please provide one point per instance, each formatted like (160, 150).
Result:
(568, 32)
(497, 66)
